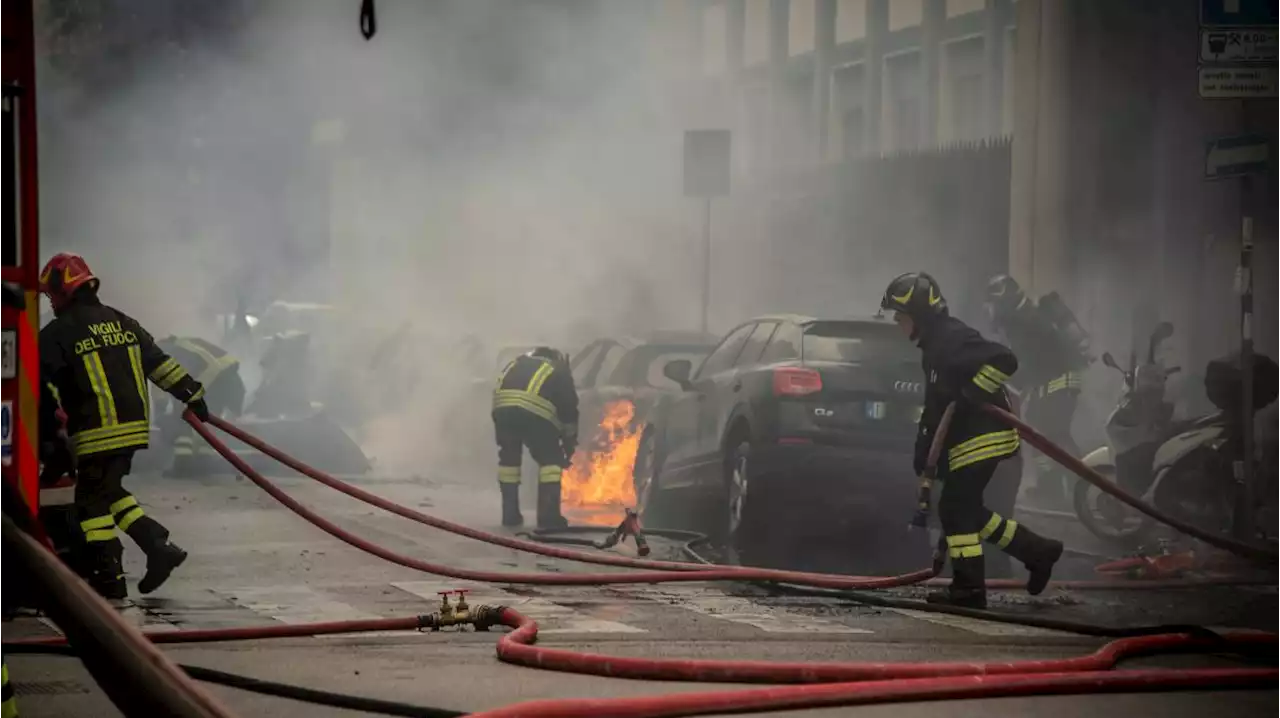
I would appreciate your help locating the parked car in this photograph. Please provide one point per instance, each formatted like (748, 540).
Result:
(789, 425)
(631, 368)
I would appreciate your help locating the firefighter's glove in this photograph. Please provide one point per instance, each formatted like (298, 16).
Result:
(199, 408)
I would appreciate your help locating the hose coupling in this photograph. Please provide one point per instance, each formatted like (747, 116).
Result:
(486, 617)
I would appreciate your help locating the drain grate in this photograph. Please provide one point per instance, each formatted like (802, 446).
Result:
(48, 688)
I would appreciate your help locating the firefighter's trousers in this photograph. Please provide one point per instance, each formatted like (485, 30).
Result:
(103, 505)
(967, 523)
(515, 429)
(1051, 412)
(9, 706)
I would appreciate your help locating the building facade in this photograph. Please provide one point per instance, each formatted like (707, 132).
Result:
(812, 81)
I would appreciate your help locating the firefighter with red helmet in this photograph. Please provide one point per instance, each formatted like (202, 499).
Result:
(963, 367)
(95, 362)
(535, 404)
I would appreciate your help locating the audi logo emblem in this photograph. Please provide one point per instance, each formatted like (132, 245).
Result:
(913, 387)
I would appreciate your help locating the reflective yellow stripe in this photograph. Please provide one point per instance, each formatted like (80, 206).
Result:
(213, 366)
(985, 384)
(169, 372)
(963, 540)
(991, 526)
(199, 393)
(981, 441)
(9, 709)
(100, 535)
(529, 402)
(549, 474)
(1007, 448)
(965, 551)
(539, 378)
(120, 442)
(127, 502)
(107, 432)
(101, 390)
(97, 522)
(993, 374)
(1010, 528)
(135, 361)
(509, 474)
(57, 396)
(124, 522)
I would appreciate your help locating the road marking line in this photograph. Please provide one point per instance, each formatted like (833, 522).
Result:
(302, 604)
(708, 602)
(973, 625)
(552, 617)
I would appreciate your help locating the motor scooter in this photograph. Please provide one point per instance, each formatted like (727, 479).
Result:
(1142, 438)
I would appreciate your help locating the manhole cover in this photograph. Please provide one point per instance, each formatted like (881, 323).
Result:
(48, 688)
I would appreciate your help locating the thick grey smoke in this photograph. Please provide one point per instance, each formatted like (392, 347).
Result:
(505, 171)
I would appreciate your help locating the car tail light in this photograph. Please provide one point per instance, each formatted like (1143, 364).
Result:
(793, 381)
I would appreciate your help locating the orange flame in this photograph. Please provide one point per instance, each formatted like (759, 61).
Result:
(598, 488)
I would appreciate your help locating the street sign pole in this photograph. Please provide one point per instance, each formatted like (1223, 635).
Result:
(706, 175)
(1244, 467)
(706, 265)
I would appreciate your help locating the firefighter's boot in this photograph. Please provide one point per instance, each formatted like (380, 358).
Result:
(968, 587)
(163, 556)
(549, 516)
(1038, 554)
(105, 569)
(511, 505)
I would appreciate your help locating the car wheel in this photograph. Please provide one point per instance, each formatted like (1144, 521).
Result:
(740, 505)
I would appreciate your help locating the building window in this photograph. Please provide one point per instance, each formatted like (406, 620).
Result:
(963, 93)
(902, 121)
(755, 43)
(847, 103)
(851, 20)
(713, 39)
(905, 13)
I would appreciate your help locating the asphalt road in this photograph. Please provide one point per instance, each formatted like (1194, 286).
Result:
(255, 564)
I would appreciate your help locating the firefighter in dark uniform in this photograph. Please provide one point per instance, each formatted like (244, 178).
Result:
(219, 373)
(963, 367)
(96, 361)
(1054, 356)
(536, 405)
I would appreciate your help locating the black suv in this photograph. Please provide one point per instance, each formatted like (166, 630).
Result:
(790, 421)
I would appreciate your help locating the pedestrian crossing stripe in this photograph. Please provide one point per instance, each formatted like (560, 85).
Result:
(716, 604)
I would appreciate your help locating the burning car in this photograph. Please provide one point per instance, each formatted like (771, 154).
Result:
(619, 382)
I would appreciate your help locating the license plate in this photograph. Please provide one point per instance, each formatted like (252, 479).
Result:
(876, 410)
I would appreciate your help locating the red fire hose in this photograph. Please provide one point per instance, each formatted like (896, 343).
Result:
(580, 579)
(612, 559)
(895, 691)
(518, 647)
(1087, 473)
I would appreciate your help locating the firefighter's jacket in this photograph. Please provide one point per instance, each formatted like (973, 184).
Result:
(961, 366)
(96, 361)
(535, 385)
(1050, 361)
(204, 360)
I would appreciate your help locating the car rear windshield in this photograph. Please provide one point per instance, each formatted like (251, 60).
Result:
(856, 342)
(642, 367)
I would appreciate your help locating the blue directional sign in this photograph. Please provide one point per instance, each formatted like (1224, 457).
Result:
(1239, 13)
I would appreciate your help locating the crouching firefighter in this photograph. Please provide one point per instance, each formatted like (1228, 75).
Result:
(96, 362)
(219, 373)
(963, 367)
(536, 405)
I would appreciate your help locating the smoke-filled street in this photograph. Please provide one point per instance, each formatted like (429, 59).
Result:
(640, 358)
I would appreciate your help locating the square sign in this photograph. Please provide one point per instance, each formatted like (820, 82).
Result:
(1238, 46)
(706, 163)
(1239, 13)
